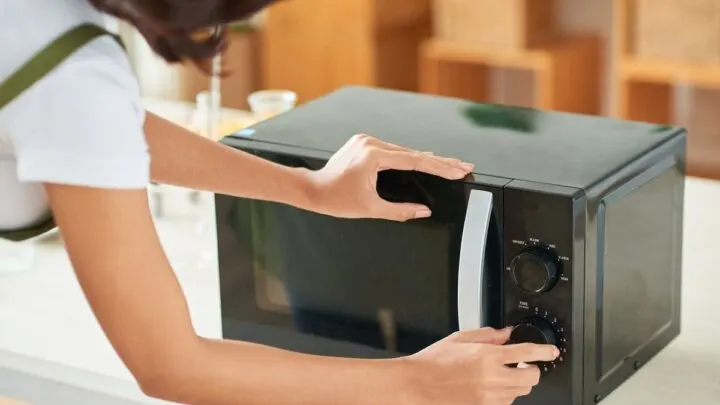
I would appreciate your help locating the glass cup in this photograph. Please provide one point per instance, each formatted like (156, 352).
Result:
(268, 103)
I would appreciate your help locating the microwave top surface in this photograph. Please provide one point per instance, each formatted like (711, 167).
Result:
(519, 143)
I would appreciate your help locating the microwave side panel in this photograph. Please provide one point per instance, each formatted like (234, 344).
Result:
(633, 277)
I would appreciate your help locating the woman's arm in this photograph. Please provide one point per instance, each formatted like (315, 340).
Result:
(135, 296)
(345, 187)
(182, 158)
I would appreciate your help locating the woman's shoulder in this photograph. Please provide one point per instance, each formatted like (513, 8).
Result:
(33, 24)
(99, 66)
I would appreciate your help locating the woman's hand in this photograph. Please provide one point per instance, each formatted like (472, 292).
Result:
(346, 186)
(470, 368)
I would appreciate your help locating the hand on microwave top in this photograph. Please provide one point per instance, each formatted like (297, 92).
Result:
(347, 185)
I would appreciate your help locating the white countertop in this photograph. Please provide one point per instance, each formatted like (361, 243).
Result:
(46, 327)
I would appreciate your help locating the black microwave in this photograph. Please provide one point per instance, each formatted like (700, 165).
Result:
(570, 230)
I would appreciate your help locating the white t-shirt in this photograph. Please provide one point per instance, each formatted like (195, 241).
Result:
(81, 125)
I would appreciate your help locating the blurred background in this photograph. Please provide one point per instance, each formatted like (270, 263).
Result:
(619, 58)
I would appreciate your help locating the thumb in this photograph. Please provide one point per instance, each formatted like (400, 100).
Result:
(483, 335)
(400, 211)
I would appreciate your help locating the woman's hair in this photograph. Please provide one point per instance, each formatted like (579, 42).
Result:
(172, 27)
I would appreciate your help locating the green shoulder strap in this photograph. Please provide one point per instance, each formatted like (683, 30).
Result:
(48, 59)
(30, 73)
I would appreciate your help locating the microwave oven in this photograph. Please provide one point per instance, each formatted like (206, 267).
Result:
(569, 230)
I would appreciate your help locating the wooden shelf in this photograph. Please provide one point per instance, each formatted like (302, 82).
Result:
(506, 24)
(567, 75)
(645, 90)
(661, 71)
(449, 51)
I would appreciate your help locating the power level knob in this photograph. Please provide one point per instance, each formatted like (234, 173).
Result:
(535, 270)
(534, 330)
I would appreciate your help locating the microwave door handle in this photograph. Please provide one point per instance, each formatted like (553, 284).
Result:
(471, 271)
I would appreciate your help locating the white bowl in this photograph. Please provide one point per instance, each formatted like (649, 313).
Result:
(267, 103)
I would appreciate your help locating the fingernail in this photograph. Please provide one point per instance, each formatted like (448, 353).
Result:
(556, 352)
(422, 213)
(467, 166)
(429, 153)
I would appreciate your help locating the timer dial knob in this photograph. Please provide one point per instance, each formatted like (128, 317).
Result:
(534, 330)
(535, 270)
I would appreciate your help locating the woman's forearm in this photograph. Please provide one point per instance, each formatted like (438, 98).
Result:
(182, 158)
(240, 373)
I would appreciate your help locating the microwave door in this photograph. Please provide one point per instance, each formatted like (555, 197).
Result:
(472, 276)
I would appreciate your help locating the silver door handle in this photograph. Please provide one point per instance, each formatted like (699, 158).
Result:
(471, 271)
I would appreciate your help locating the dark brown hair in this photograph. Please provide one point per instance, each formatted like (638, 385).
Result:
(174, 28)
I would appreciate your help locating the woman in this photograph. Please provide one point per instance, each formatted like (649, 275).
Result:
(78, 144)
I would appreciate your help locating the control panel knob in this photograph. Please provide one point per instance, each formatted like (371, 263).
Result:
(535, 270)
(534, 330)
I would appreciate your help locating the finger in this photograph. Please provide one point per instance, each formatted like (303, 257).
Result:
(386, 145)
(399, 211)
(422, 163)
(457, 163)
(451, 162)
(367, 141)
(397, 148)
(364, 140)
(528, 353)
(505, 398)
(512, 394)
(512, 378)
(522, 377)
(521, 392)
(498, 398)
(483, 335)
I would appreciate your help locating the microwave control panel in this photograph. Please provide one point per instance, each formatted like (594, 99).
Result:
(537, 271)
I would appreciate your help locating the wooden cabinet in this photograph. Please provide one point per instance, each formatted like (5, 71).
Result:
(504, 24)
(473, 39)
(566, 76)
(647, 89)
(316, 46)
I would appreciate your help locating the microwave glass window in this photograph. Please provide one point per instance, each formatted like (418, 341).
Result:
(334, 279)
